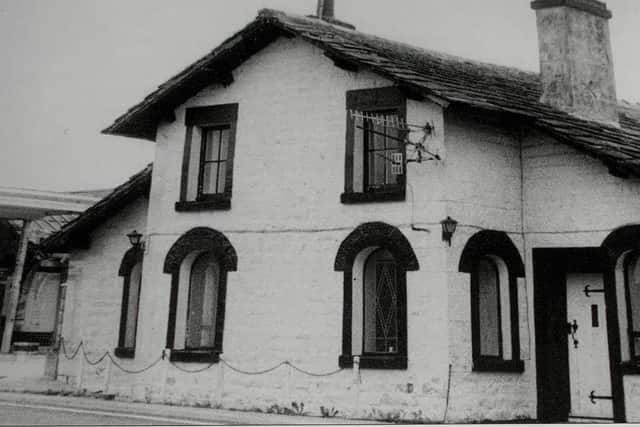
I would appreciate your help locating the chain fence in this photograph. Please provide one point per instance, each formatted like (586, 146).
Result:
(107, 354)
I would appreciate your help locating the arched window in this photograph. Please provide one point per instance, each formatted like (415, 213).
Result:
(131, 270)
(632, 291)
(375, 259)
(198, 262)
(494, 265)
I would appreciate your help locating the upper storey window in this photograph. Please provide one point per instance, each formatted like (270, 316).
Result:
(207, 167)
(374, 150)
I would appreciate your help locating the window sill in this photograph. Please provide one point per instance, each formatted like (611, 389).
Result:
(381, 361)
(194, 356)
(373, 197)
(204, 205)
(630, 367)
(498, 365)
(125, 352)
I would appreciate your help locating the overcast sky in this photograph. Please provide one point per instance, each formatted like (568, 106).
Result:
(69, 67)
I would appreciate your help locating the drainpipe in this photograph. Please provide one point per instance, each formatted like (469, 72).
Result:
(14, 290)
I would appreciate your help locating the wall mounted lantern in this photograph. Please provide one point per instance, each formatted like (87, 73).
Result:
(448, 228)
(135, 238)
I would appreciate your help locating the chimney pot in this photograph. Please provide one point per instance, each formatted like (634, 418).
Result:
(576, 66)
(326, 9)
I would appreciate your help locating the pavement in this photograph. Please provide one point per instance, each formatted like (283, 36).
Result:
(39, 398)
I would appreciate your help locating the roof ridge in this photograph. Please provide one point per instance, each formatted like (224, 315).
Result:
(275, 13)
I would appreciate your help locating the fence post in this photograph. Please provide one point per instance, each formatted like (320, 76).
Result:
(80, 373)
(357, 380)
(166, 357)
(220, 388)
(289, 369)
(107, 376)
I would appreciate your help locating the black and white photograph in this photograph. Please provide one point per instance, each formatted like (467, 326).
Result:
(322, 212)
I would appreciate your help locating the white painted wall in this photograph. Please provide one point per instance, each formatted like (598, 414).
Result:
(94, 292)
(484, 192)
(572, 201)
(287, 222)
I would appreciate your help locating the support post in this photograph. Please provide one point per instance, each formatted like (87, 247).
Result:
(14, 290)
(80, 373)
(107, 376)
(220, 388)
(289, 369)
(166, 355)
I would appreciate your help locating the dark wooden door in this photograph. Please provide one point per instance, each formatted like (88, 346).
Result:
(552, 364)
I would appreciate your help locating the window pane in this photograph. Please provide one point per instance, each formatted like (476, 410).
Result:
(380, 304)
(222, 170)
(209, 171)
(377, 167)
(131, 306)
(393, 137)
(633, 281)
(380, 147)
(203, 292)
(377, 138)
(489, 309)
(224, 144)
(212, 144)
(390, 178)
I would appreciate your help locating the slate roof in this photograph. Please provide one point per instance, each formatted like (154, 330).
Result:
(49, 225)
(76, 231)
(456, 80)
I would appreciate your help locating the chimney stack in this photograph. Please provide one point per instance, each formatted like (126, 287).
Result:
(576, 66)
(326, 10)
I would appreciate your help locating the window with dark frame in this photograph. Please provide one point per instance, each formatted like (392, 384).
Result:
(207, 166)
(199, 262)
(375, 152)
(632, 291)
(375, 259)
(494, 265)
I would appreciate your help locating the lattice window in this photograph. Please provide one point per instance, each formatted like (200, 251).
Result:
(380, 304)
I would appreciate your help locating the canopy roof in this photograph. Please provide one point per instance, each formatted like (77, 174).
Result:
(19, 203)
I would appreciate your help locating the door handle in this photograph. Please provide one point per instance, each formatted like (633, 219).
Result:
(572, 328)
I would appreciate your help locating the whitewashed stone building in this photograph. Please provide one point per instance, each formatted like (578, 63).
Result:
(305, 180)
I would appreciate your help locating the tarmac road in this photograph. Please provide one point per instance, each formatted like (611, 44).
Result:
(17, 414)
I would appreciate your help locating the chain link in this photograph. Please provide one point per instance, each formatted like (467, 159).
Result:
(64, 350)
(240, 371)
(86, 357)
(134, 372)
(194, 371)
(311, 374)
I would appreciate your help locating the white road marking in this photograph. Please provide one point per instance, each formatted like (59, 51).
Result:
(108, 414)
